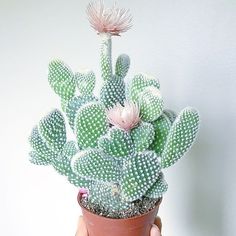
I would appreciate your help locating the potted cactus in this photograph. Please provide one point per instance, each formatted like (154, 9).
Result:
(124, 136)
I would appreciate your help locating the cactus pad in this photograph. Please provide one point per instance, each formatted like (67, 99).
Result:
(92, 164)
(158, 188)
(90, 124)
(139, 174)
(162, 127)
(85, 82)
(38, 159)
(53, 131)
(73, 106)
(79, 181)
(116, 143)
(113, 92)
(142, 136)
(62, 162)
(122, 65)
(61, 79)
(39, 146)
(181, 136)
(139, 83)
(151, 104)
(108, 196)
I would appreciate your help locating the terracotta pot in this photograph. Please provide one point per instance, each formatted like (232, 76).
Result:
(135, 226)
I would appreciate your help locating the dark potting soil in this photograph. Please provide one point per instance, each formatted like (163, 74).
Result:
(139, 207)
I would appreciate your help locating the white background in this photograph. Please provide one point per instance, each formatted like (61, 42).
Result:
(190, 45)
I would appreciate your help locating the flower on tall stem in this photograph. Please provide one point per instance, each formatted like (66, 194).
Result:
(124, 117)
(111, 21)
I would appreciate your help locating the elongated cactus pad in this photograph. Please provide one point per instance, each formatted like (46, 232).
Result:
(158, 188)
(61, 79)
(142, 136)
(151, 104)
(116, 143)
(62, 162)
(39, 146)
(113, 92)
(85, 82)
(73, 106)
(38, 159)
(94, 165)
(53, 131)
(139, 83)
(122, 65)
(90, 124)
(139, 174)
(162, 127)
(181, 136)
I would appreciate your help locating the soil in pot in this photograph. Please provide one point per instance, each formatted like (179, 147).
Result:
(135, 222)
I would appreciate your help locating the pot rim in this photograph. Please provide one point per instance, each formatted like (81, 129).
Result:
(112, 219)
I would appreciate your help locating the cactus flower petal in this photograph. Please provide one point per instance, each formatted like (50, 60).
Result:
(124, 117)
(112, 21)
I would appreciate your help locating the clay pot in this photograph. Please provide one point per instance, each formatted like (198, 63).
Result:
(135, 226)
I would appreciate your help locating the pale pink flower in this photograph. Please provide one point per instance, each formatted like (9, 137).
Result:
(108, 20)
(124, 117)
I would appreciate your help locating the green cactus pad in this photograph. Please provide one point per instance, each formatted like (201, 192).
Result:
(107, 196)
(53, 131)
(90, 124)
(142, 136)
(181, 136)
(61, 79)
(170, 114)
(85, 82)
(139, 174)
(139, 83)
(38, 159)
(79, 181)
(158, 188)
(73, 106)
(113, 92)
(151, 104)
(39, 146)
(122, 65)
(62, 162)
(116, 143)
(64, 104)
(162, 127)
(94, 165)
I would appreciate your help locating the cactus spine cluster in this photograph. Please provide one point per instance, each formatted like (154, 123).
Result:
(119, 161)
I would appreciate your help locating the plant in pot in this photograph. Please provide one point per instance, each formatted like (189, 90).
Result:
(124, 137)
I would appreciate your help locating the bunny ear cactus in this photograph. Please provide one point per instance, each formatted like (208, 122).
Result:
(124, 138)
(181, 136)
(90, 124)
(85, 82)
(122, 65)
(61, 79)
(113, 92)
(73, 106)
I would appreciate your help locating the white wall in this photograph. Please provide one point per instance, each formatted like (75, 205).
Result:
(189, 45)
